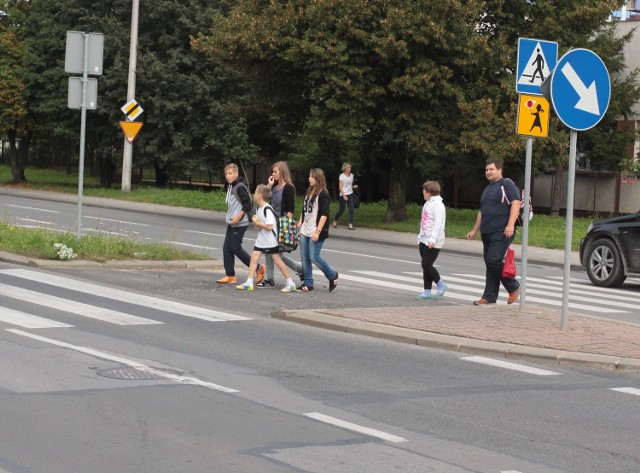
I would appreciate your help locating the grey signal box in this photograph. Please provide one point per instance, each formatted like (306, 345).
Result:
(74, 56)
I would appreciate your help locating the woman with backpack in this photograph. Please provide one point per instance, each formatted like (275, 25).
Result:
(283, 201)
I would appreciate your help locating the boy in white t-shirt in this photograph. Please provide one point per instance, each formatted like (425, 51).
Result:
(267, 240)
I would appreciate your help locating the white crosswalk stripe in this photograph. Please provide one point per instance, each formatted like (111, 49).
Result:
(468, 287)
(123, 296)
(91, 311)
(508, 365)
(22, 319)
(73, 307)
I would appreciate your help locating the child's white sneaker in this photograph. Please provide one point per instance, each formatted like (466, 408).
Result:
(245, 287)
(289, 288)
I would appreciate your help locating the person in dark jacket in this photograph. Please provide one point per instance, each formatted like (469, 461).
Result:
(314, 230)
(238, 208)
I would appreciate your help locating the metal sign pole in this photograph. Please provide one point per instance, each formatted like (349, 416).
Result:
(571, 177)
(127, 156)
(83, 126)
(525, 225)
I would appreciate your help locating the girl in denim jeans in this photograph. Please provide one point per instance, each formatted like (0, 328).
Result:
(314, 230)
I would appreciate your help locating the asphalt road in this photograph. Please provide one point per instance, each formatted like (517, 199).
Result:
(377, 275)
(165, 371)
(264, 395)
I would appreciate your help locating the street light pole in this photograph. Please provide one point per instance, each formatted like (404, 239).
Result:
(131, 93)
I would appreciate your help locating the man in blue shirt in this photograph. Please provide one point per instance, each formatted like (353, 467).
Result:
(499, 209)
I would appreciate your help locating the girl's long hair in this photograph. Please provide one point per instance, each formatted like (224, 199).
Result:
(321, 182)
(285, 173)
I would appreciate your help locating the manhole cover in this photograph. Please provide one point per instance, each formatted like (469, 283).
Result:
(137, 374)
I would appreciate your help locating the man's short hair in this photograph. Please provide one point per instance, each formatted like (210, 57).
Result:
(264, 191)
(232, 166)
(496, 162)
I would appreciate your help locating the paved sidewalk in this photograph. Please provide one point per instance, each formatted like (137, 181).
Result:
(499, 330)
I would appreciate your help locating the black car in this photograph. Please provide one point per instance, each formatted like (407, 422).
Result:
(610, 251)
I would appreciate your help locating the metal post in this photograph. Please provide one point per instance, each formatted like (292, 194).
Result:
(131, 93)
(571, 177)
(525, 225)
(83, 126)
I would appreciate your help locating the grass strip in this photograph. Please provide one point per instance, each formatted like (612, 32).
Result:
(39, 243)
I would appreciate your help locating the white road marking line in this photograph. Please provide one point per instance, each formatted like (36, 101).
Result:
(117, 221)
(634, 391)
(189, 245)
(205, 233)
(547, 300)
(395, 260)
(22, 319)
(73, 307)
(355, 427)
(33, 208)
(49, 229)
(579, 287)
(127, 362)
(124, 296)
(110, 233)
(587, 282)
(509, 471)
(509, 366)
(33, 221)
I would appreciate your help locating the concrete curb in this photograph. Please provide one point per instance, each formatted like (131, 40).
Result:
(455, 343)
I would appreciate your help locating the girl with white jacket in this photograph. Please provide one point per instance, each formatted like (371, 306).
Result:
(431, 239)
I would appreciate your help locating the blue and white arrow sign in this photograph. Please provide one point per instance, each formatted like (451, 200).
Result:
(580, 89)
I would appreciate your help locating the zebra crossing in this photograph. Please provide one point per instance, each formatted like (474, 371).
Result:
(462, 287)
(10, 289)
(465, 288)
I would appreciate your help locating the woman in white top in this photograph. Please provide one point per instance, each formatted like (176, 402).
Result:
(431, 239)
(346, 186)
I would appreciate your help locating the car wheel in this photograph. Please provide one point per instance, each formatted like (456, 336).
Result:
(604, 265)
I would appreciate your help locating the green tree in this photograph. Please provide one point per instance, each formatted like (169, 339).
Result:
(422, 86)
(390, 75)
(571, 26)
(189, 124)
(56, 128)
(14, 111)
(191, 103)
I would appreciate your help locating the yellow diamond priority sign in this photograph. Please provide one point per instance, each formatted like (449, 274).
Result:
(533, 116)
(131, 129)
(132, 110)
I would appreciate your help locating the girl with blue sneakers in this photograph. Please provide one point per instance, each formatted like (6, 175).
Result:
(431, 239)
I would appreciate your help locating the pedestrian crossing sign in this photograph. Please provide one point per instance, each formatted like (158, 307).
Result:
(536, 60)
(533, 116)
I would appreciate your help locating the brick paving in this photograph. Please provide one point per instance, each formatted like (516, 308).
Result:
(535, 326)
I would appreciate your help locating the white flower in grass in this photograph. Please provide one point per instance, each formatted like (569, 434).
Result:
(64, 252)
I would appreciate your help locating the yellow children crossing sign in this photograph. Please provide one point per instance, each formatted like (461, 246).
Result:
(533, 116)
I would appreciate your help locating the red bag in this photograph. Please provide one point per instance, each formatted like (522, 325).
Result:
(509, 268)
